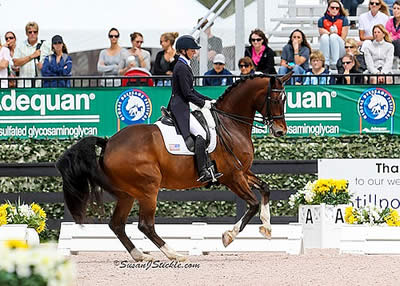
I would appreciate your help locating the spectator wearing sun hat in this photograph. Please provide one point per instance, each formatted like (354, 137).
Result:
(218, 69)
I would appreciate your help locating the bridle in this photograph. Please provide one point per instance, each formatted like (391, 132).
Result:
(268, 118)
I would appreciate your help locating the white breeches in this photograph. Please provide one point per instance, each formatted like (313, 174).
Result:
(196, 128)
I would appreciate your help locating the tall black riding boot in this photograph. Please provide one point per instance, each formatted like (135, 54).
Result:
(201, 160)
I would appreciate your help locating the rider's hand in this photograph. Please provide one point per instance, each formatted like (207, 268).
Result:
(207, 104)
(213, 101)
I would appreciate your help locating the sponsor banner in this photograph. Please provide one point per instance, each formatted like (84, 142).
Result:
(372, 181)
(78, 112)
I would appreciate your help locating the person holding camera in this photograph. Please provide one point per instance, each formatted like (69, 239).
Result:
(30, 54)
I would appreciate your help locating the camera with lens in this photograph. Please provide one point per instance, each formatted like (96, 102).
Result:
(38, 46)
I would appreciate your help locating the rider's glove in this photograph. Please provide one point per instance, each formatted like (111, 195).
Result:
(207, 104)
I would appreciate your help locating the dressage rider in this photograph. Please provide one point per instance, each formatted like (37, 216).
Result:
(183, 93)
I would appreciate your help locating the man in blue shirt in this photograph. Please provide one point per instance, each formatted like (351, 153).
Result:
(218, 69)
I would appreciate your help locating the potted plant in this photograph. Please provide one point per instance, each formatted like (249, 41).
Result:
(36, 266)
(22, 222)
(370, 230)
(321, 209)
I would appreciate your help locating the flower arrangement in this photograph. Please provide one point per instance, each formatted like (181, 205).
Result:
(328, 191)
(32, 215)
(37, 266)
(372, 215)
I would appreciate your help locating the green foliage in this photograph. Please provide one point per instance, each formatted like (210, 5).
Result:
(268, 148)
(12, 279)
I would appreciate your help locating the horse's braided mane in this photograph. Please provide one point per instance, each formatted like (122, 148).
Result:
(236, 83)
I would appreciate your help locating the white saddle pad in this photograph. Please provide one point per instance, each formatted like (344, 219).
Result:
(175, 144)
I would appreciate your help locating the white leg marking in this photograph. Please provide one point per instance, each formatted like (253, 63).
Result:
(230, 235)
(172, 254)
(265, 217)
(137, 255)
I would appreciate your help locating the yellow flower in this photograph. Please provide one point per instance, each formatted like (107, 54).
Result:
(16, 244)
(349, 216)
(4, 207)
(41, 226)
(38, 210)
(393, 218)
(341, 185)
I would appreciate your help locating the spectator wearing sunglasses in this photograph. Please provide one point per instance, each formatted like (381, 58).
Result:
(378, 14)
(30, 54)
(260, 53)
(218, 69)
(5, 60)
(58, 64)
(333, 29)
(11, 43)
(246, 66)
(351, 47)
(109, 59)
(136, 56)
(393, 27)
(295, 55)
(350, 66)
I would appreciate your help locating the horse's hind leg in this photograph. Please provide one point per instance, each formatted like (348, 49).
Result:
(117, 225)
(265, 215)
(147, 210)
(242, 189)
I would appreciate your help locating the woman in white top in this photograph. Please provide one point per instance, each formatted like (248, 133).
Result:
(5, 60)
(136, 56)
(379, 55)
(378, 14)
(109, 59)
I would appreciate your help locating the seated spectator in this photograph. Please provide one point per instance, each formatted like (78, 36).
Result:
(379, 55)
(352, 48)
(246, 66)
(333, 30)
(350, 66)
(167, 58)
(295, 55)
(109, 59)
(378, 14)
(57, 64)
(393, 28)
(317, 60)
(141, 57)
(218, 69)
(5, 60)
(260, 53)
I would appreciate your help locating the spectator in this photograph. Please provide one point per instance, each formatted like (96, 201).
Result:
(295, 55)
(141, 57)
(214, 43)
(167, 58)
(351, 6)
(5, 60)
(317, 60)
(109, 59)
(333, 29)
(13, 71)
(350, 66)
(30, 54)
(218, 69)
(58, 64)
(390, 3)
(352, 48)
(246, 66)
(378, 14)
(260, 53)
(379, 55)
(393, 28)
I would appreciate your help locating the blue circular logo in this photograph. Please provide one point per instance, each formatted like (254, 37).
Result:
(133, 106)
(376, 105)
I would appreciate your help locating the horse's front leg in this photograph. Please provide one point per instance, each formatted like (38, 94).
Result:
(242, 189)
(265, 215)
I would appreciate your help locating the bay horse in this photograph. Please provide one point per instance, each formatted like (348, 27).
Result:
(134, 164)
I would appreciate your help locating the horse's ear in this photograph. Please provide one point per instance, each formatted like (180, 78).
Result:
(285, 78)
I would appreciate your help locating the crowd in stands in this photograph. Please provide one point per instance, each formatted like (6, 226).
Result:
(337, 58)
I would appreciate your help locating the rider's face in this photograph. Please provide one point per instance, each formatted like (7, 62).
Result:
(190, 53)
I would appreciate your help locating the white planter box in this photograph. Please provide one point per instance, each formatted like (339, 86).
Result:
(365, 239)
(19, 232)
(321, 225)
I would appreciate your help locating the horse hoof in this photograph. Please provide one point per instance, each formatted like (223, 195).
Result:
(266, 232)
(181, 258)
(144, 257)
(227, 238)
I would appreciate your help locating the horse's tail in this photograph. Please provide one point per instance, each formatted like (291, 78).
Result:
(82, 175)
